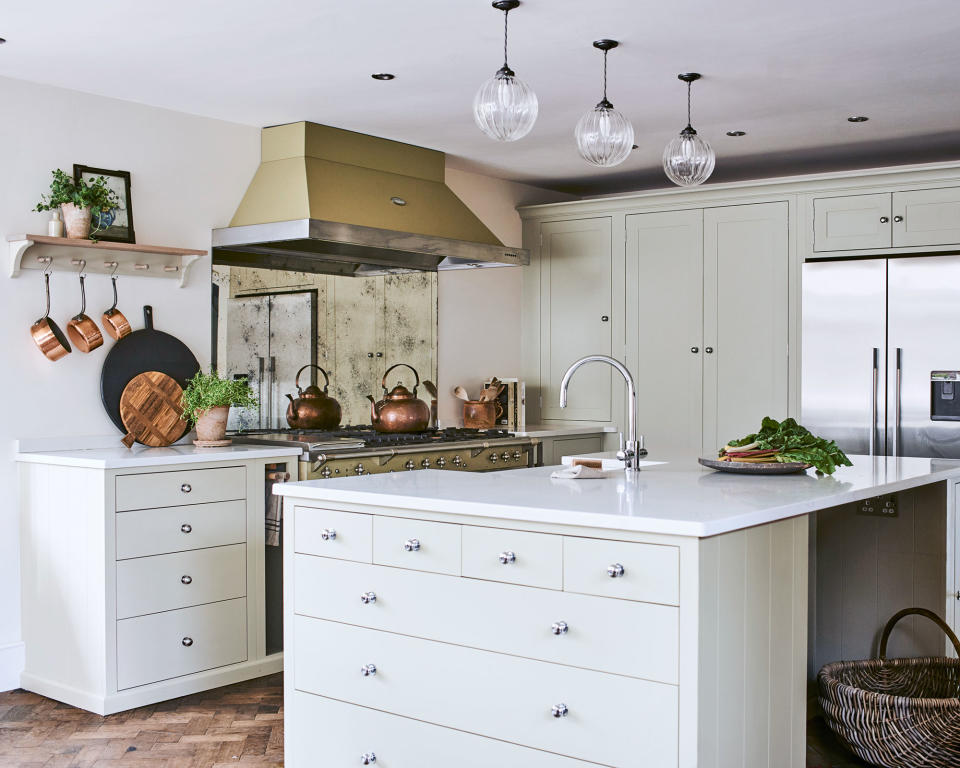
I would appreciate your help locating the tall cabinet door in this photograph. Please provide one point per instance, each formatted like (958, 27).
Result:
(665, 274)
(576, 301)
(746, 300)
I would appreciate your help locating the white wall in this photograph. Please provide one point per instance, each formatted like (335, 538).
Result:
(479, 312)
(188, 174)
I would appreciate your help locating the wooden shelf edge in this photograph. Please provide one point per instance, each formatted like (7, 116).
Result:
(131, 247)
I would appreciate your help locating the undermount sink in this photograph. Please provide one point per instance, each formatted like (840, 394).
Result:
(607, 459)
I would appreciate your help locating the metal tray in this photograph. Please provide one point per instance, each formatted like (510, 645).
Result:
(751, 468)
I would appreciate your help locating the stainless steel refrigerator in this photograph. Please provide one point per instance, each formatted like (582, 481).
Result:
(881, 354)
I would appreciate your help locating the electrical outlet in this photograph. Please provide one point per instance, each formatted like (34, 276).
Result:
(879, 506)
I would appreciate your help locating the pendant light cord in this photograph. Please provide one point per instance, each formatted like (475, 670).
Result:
(605, 75)
(506, 18)
(689, 121)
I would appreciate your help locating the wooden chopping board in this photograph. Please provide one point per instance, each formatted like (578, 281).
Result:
(150, 410)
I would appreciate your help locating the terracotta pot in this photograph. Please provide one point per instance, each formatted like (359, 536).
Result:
(212, 424)
(76, 220)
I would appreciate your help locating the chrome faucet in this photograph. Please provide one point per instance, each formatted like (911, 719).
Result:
(630, 453)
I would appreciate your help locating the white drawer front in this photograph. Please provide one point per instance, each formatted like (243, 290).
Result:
(650, 572)
(398, 742)
(170, 489)
(328, 533)
(628, 638)
(176, 529)
(534, 559)
(175, 643)
(165, 582)
(610, 719)
(417, 544)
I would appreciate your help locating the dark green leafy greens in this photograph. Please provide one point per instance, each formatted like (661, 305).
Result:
(794, 443)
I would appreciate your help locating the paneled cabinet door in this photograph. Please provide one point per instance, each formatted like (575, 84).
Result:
(746, 299)
(665, 273)
(852, 223)
(575, 316)
(926, 217)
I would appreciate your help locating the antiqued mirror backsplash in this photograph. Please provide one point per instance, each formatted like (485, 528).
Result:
(268, 324)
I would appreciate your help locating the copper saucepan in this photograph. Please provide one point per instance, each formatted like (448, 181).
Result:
(47, 334)
(114, 323)
(81, 329)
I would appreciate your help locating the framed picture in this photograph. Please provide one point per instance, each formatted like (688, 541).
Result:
(115, 225)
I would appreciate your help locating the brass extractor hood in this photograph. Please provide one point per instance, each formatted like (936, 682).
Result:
(336, 202)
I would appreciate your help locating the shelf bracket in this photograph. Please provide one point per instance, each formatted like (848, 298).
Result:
(17, 249)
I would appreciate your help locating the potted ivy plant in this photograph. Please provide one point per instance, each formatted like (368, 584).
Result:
(206, 404)
(79, 201)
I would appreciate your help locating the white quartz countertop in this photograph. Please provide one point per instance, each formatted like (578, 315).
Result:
(678, 498)
(118, 457)
(541, 431)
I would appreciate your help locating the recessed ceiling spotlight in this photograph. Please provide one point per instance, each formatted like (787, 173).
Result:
(857, 119)
(736, 133)
(382, 76)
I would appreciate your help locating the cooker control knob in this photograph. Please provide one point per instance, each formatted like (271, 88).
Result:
(493, 458)
(441, 462)
(425, 463)
(517, 455)
(410, 465)
(359, 470)
(505, 456)
(457, 461)
(325, 473)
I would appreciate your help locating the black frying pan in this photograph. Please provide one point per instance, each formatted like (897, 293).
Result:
(139, 352)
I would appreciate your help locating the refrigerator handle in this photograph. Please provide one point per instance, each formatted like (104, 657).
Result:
(873, 401)
(896, 405)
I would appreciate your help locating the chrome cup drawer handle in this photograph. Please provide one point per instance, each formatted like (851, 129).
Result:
(187, 642)
(615, 571)
(368, 597)
(411, 545)
(508, 557)
(368, 758)
(186, 488)
(368, 670)
(560, 628)
(186, 579)
(329, 534)
(559, 710)
(186, 528)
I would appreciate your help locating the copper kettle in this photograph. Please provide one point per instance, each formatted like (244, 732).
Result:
(399, 410)
(313, 408)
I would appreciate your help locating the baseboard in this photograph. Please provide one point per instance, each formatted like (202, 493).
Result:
(11, 665)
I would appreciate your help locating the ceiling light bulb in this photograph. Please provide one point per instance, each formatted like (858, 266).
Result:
(688, 159)
(604, 135)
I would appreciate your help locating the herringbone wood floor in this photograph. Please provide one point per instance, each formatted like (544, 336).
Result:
(240, 724)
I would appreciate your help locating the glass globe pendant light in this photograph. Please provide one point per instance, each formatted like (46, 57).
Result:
(688, 160)
(604, 135)
(505, 108)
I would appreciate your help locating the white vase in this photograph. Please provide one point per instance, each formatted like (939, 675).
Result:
(55, 225)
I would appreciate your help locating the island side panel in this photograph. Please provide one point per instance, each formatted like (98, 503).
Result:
(753, 647)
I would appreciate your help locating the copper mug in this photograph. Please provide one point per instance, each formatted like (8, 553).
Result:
(81, 329)
(114, 322)
(481, 414)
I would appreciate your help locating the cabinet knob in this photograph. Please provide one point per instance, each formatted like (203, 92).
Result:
(186, 579)
(411, 545)
(694, 349)
(884, 219)
(186, 528)
(560, 628)
(508, 557)
(559, 710)
(186, 642)
(328, 534)
(898, 219)
(708, 350)
(379, 354)
(368, 758)
(368, 597)
(186, 488)
(368, 670)
(615, 571)
(604, 318)
(369, 354)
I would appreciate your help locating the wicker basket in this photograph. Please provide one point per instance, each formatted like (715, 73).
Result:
(896, 713)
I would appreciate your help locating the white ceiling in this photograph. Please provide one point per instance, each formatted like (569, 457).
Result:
(788, 73)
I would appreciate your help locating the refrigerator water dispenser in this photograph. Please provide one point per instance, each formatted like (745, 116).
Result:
(945, 395)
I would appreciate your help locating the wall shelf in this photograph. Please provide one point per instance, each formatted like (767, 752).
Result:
(63, 254)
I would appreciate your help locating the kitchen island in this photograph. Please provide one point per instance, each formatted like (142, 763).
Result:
(659, 619)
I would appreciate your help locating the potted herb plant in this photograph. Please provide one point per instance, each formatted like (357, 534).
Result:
(206, 404)
(79, 201)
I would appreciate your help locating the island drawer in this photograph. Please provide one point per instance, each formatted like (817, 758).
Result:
(514, 557)
(417, 544)
(399, 742)
(602, 718)
(618, 636)
(330, 533)
(165, 645)
(170, 489)
(166, 582)
(145, 532)
(622, 569)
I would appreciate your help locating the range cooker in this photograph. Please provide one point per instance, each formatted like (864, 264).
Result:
(360, 450)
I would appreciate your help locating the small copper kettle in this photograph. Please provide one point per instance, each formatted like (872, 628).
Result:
(400, 410)
(313, 408)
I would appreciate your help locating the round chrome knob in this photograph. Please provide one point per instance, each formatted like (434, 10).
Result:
(410, 465)
(441, 462)
(325, 473)
(493, 458)
(328, 534)
(186, 579)
(708, 350)
(560, 628)
(517, 455)
(559, 710)
(368, 597)
(694, 349)
(884, 219)
(507, 557)
(368, 758)
(898, 219)
(457, 461)
(412, 545)
(359, 470)
(425, 463)
(368, 670)
(186, 528)
(186, 642)
(615, 571)
(186, 488)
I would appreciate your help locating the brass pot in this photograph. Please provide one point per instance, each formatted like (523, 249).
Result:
(81, 329)
(47, 334)
(399, 410)
(313, 408)
(114, 322)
